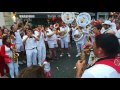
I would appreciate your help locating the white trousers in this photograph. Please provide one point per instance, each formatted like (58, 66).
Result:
(79, 46)
(19, 47)
(13, 67)
(31, 57)
(41, 54)
(64, 42)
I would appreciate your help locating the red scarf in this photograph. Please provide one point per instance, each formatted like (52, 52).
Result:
(114, 63)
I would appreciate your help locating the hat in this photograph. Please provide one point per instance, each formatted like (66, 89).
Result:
(108, 22)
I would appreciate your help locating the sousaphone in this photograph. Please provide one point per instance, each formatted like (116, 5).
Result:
(82, 20)
(78, 35)
(67, 18)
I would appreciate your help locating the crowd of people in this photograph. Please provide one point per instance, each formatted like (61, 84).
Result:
(37, 47)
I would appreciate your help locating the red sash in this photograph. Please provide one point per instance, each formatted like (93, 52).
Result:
(114, 63)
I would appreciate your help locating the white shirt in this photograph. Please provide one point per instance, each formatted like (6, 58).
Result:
(0, 42)
(102, 30)
(118, 35)
(36, 33)
(18, 37)
(41, 40)
(73, 31)
(8, 51)
(30, 42)
(51, 39)
(100, 71)
(67, 37)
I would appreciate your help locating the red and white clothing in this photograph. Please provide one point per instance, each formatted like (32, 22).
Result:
(65, 40)
(18, 41)
(6, 53)
(47, 69)
(31, 51)
(51, 40)
(108, 68)
(118, 35)
(41, 49)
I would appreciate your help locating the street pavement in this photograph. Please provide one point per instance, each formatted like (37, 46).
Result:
(63, 68)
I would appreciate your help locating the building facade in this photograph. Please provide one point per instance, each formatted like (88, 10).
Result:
(6, 19)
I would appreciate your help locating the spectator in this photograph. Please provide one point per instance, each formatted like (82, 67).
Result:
(33, 71)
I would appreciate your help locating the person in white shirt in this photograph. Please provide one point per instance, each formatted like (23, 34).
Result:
(74, 27)
(107, 27)
(80, 42)
(106, 47)
(41, 47)
(52, 41)
(65, 40)
(30, 46)
(118, 30)
(18, 42)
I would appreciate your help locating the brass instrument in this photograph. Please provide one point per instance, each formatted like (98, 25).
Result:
(64, 33)
(14, 55)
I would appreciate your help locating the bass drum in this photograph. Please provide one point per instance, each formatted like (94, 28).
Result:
(83, 19)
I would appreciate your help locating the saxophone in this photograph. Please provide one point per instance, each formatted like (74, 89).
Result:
(14, 55)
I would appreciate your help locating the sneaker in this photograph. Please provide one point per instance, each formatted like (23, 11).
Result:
(19, 62)
(78, 55)
(61, 55)
(69, 55)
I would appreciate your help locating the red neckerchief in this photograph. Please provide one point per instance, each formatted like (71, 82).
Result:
(113, 62)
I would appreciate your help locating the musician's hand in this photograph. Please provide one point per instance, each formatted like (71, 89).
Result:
(88, 43)
(79, 66)
(55, 32)
(33, 36)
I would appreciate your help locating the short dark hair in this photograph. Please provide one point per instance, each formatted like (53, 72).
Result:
(33, 71)
(109, 43)
(98, 26)
(4, 38)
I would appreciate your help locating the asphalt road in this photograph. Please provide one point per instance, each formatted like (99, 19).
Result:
(63, 68)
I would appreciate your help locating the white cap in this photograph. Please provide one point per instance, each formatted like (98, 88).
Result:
(108, 22)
